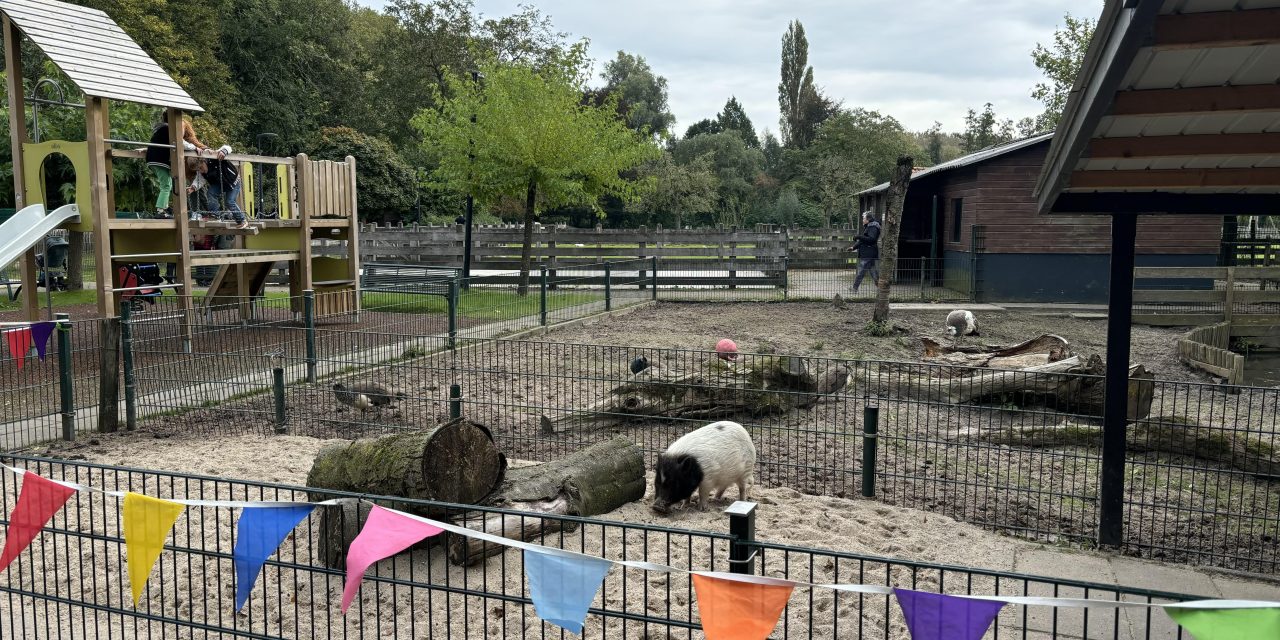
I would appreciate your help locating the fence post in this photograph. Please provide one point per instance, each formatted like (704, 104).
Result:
(973, 263)
(870, 429)
(608, 287)
(1228, 305)
(126, 356)
(309, 319)
(277, 386)
(654, 277)
(66, 381)
(642, 273)
(455, 401)
(542, 297)
(453, 313)
(786, 277)
(742, 526)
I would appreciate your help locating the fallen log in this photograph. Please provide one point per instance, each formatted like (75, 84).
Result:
(588, 482)
(1164, 434)
(718, 389)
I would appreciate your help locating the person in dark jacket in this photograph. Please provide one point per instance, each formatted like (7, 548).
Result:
(868, 248)
(223, 180)
(159, 157)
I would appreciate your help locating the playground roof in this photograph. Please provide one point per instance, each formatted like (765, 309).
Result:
(972, 158)
(1176, 110)
(96, 54)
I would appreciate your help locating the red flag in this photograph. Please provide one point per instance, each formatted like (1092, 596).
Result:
(19, 344)
(38, 501)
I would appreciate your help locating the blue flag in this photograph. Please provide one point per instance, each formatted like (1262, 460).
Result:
(562, 587)
(258, 534)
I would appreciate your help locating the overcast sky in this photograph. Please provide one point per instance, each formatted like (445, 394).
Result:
(920, 61)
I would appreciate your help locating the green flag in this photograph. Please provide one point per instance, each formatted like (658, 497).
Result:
(1228, 624)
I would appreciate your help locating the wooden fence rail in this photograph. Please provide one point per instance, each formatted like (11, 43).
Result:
(1247, 298)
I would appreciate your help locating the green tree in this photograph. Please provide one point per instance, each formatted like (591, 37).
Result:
(983, 130)
(734, 118)
(385, 182)
(703, 127)
(802, 106)
(836, 183)
(868, 141)
(736, 167)
(532, 137)
(640, 94)
(679, 193)
(1060, 63)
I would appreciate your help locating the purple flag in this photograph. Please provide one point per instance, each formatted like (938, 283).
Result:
(40, 333)
(935, 616)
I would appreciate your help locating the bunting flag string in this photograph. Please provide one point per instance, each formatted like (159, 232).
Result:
(563, 583)
(19, 344)
(40, 333)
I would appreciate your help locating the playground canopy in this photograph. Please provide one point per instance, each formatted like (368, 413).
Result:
(96, 54)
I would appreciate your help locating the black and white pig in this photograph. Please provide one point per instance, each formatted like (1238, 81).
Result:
(707, 460)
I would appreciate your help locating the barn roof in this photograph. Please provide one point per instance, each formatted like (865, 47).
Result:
(972, 158)
(1176, 110)
(96, 54)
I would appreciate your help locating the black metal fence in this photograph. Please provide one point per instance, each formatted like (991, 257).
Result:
(1015, 451)
(72, 581)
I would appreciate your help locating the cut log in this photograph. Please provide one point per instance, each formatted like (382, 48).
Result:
(455, 462)
(719, 389)
(588, 482)
(1036, 351)
(963, 390)
(1163, 434)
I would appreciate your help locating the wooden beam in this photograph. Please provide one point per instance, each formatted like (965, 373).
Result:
(1214, 204)
(182, 226)
(95, 134)
(307, 201)
(1224, 144)
(353, 235)
(1176, 178)
(1159, 102)
(1217, 29)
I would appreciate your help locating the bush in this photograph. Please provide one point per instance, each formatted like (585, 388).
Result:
(386, 184)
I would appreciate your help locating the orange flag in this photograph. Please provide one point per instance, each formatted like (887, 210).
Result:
(739, 607)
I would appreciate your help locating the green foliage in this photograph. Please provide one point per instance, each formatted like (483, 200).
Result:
(734, 118)
(641, 96)
(385, 182)
(1060, 64)
(680, 193)
(868, 142)
(735, 165)
(879, 328)
(984, 130)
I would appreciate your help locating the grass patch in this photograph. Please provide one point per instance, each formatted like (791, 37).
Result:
(478, 303)
(60, 299)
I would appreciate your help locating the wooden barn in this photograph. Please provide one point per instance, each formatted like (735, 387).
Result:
(977, 218)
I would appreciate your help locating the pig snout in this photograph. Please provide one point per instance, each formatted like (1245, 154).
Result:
(661, 507)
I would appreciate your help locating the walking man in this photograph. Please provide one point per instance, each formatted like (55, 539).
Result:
(868, 248)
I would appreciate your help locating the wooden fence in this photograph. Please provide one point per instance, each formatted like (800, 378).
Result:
(1208, 349)
(1246, 297)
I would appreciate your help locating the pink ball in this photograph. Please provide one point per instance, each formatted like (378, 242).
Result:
(727, 349)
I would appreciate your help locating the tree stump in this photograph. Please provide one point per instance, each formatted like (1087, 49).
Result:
(454, 462)
(588, 482)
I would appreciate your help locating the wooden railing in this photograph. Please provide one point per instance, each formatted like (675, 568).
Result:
(1208, 349)
(1246, 297)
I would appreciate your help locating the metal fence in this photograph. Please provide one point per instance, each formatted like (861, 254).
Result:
(1015, 451)
(71, 582)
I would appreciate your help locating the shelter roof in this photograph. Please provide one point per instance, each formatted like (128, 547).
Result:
(971, 159)
(96, 54)
(1176, 110)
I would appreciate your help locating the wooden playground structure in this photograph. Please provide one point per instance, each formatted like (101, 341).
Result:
(316, 200)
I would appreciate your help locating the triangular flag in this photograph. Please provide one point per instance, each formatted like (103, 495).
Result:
(937, 616)
(1221, 624)
(385, 534)
(147, 522)
(258, 533)
(40, 333)
(37, 502)
(740, 607)
(563, 586)
(19, 344)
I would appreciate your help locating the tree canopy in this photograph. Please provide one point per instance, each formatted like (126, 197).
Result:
(640, 94)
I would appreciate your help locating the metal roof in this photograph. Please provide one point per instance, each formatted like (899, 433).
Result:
(973, 158)
(96, 54)
(1177, 101)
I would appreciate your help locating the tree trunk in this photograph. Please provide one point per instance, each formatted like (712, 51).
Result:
(890, 227)
(588, 482)
(526, 248)
(454, 462)
(770, 385)
(75, 260)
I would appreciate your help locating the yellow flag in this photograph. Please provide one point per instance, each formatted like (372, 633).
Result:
(147, 522)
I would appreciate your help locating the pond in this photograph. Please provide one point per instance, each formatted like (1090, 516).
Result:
(1262, 368)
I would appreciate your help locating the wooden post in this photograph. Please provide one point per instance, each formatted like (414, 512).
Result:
(353, 236)
(95, 109)
(1229, 303)
(182, 225)
(108, 374)
(306, 205)
(18, 136)
(1115, 414)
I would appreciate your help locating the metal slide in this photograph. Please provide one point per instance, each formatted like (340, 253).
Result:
(29, 226)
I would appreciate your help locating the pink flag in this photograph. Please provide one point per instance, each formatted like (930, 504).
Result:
(385, 534)
(19, 344)
(38, 501)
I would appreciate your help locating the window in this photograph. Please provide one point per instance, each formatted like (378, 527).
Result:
(957, 218)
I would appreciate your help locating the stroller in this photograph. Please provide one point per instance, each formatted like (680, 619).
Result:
(139, 278)
(51, 266)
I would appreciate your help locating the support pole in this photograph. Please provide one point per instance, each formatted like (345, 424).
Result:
(870, 431)
(1115, 416)
(455, 401)
(126, 356)
(742, 526)
(309, 321)
(182, 224)
(454, 296)
(653, 283)
(66, 378)
(608, 288)
(277, 386)
(542, 297)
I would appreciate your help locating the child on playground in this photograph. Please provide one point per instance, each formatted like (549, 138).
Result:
(158, 158)
(224, 181)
